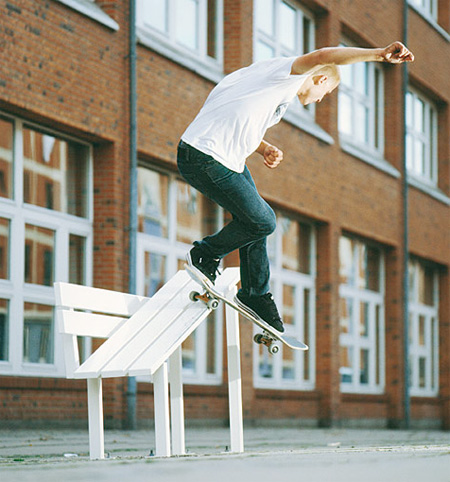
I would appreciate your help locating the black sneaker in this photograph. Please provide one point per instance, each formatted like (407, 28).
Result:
(261, 307)
(208, 267)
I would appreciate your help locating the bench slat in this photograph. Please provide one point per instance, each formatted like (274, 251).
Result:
(89, 324)
(93, 366)
(97, 299)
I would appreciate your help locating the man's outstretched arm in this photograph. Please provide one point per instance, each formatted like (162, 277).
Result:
(395, 53)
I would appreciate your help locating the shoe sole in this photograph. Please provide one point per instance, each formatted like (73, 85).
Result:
(254, 314)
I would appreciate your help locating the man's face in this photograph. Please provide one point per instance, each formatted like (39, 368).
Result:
(315, 89)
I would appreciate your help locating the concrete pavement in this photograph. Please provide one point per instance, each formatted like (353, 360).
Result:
(323, 455)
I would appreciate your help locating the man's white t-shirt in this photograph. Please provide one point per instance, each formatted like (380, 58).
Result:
(238, 111)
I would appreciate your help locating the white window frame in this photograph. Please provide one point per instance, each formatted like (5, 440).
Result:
(280, 277)
(429, 175)
(427, 351)
(429, 10)
(15, 290)
(174, 251)
(297, 114)
(165, 42)
(354, 340)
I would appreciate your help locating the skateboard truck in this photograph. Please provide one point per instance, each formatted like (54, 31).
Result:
(267, 340)
(209, 301)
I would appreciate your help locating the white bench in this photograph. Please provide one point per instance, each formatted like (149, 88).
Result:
(144, 337)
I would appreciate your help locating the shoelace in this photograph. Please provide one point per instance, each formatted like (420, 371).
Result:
(271, 306)
(211, 265)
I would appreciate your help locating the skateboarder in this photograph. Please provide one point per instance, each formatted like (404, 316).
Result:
(230, 126)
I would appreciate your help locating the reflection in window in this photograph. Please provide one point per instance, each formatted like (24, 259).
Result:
(361, 316)
(154, 272)
(423, 328)
(55, 173)
(4, 248)
(421, 135)
(38, 333)
(39, 255)
(6, 158)
(4, 329)
(77, 259)
(153, 202)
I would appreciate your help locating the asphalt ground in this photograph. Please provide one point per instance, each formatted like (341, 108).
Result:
(320, 455)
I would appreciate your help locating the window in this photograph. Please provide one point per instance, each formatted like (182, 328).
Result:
(427, 7)
(45, 236)
(360, 112)
(292, 258)
(361, 317)
(171, 216)
(421, 138)
(188, 31)
(283, 30)
(423, 328)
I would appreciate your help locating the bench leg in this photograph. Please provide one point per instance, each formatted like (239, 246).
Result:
(234, 377)
(162, 424)
(176, 403)
(95, 413)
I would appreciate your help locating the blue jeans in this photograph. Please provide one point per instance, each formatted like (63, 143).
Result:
(253, 219)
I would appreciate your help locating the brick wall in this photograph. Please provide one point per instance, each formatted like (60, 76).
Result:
(68, 72)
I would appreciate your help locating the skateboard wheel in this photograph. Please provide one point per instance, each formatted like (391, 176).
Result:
(213, 304)
(193, 295)
(274, 349)
(258, 338)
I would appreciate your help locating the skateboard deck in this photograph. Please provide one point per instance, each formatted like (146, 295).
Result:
(212, 299)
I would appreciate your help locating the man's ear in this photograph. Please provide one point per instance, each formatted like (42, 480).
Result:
(319, 79)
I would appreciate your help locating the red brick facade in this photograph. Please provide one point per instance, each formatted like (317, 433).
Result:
(66, 71)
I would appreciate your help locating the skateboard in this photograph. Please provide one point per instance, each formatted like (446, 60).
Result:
(212, 299)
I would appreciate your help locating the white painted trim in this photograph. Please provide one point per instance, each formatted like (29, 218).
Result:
(91, 10)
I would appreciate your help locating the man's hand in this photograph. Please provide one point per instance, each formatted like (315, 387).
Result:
(397, 53)
(272, 156)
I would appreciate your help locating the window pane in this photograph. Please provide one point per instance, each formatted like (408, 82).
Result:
(346, 369)
(4, 248)
(419, 115)
(287, 26)
(77, 259)
(362, 123)
(39, 255)
(364, 367)
(264, 12)
(6, 158)
(288, 305)
(364, 319)
(38, 333)
(346, 262)
(369, 267)
(288, 364)
(290, 243)
(306, 333)
(263, 51)
(265, 365)
(409, 109)
(154, 13)
(55, 173)
(307, 35)
(188, 353)
(212, 47)
(422, 372)
(4, 330)
(152, 202)
(425, 284)
(422, 325)
(305, 248)
(154, 272)
(345, 114)
(346, 315)
(361, 78)
(346, 75)
(186, 23)
(196, 215)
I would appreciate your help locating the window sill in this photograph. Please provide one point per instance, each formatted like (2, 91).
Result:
(432, 22)
(90, 9)
(429, 189)
(308, 125)
(370, 157)
(209, 70)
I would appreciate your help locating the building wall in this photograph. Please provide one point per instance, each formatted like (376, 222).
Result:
(70, 73)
